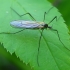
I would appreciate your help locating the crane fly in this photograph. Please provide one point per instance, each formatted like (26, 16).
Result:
(29, 24)
(23, 24)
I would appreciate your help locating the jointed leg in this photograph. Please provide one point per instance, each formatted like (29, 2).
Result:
(29, 15)
(59, 38)
(53, 19)
(47, 13)
(39, 47)
(23, 14)
(12, 33)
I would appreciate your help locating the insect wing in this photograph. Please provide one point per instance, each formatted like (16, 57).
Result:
(26, 24)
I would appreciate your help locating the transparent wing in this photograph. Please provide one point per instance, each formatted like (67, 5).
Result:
(27, 24)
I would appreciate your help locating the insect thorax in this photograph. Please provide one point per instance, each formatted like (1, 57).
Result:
(46, 26)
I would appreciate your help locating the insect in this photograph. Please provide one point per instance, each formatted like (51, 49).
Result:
(33, 25)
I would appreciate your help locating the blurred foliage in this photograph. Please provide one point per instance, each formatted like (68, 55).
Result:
(11, 62)
(64, 8)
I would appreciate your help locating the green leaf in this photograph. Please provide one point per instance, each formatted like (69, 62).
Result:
(53, 55)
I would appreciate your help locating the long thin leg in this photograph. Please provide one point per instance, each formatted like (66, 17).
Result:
(59, 38)
(23, 14)
(30, 15)
(46, 13)
(39, 47)
(53, 19)
(12, 33)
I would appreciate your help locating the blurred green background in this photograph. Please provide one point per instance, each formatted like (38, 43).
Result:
(11, 62)
(64, 8)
